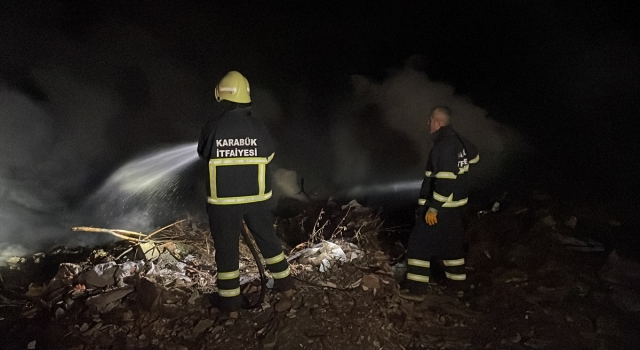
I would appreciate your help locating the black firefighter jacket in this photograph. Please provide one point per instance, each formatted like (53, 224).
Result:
(445, 183)
(238, 148)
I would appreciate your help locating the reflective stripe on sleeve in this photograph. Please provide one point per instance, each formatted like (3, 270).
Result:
(417, 278)
(455, 204)
(463, 170)
(276, 259)
(475, 159)
(441, 175)
(448, 202)
(455, 277)
(280, 275)
(228, 293)
(457, 262)
(441, 198)
(228, 275)
(422, 201)
(420, 263)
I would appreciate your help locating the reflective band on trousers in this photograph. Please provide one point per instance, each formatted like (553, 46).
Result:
(261, 162)
(228, 293)
(280, 275)
(417, 278)
(276, 259)
(455, 277)
(441, 175)
(420, 263)
(448, 202)
(457, 262)
(228, 275)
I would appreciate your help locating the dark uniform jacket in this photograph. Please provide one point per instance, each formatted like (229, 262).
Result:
(445, 183)
(239, 149)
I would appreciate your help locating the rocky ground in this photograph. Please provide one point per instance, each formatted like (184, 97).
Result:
(541, 278)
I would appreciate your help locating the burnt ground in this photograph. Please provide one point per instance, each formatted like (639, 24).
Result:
(541, 279)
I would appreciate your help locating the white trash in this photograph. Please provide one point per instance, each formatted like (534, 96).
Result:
(322, 255)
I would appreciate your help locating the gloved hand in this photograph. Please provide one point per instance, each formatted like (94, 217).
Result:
(431, 217)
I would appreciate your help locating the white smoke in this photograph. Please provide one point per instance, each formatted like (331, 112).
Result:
(120, 91)
(396, 146)
(46, 154)
(285, 183)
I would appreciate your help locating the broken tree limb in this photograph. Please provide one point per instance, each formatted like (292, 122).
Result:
(125, 234)
(117, 233)
(164, 228)
(123, 253)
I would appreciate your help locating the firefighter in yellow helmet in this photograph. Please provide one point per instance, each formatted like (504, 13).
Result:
(239, 151)
(233, 87)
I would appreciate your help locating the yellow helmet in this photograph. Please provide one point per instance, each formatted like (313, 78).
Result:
(233, 87)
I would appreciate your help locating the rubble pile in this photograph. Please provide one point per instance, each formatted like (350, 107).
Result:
(536, 284)
(300, 222)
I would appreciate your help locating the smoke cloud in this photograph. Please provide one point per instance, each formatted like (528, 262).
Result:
(72, 128)
(74, 111)
(48, 152)
(381, 139)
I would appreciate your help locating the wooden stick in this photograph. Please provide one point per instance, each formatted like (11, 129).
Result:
(125, 252)
(125, 232)
(164, 228)
(104, 230)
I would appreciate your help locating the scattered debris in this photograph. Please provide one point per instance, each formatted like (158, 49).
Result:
(323, 255)
(155, 290)
(621, 272)
(586, 245)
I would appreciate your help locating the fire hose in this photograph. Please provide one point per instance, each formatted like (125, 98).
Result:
(263, 279)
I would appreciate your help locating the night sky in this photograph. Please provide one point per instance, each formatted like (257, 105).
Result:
(565, 75)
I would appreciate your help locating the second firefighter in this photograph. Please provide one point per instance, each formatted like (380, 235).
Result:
(438, 233)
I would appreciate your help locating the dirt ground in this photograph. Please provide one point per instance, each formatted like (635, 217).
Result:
(532, 289)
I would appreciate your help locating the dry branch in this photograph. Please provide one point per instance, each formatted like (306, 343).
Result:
(138, 237)
(164, 228)
(118, 233)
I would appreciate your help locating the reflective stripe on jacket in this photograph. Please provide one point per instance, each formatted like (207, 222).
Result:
(239, 150)
(445, 182)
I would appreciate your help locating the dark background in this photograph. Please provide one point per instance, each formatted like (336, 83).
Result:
(565, 75)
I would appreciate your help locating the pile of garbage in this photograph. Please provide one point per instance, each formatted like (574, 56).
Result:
(172, 272)
(540, 280)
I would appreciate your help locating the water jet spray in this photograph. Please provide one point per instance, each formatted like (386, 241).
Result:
(144, 189)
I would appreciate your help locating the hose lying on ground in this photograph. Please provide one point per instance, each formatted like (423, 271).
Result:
(263, 279)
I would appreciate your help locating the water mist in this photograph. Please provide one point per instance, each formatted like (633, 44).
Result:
(146, 191)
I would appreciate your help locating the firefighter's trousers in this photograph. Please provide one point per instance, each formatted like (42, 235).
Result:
(225, 222)
(443, 241)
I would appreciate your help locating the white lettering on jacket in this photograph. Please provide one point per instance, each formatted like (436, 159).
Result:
(237, 142)
(462, 159)
(236, 152)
